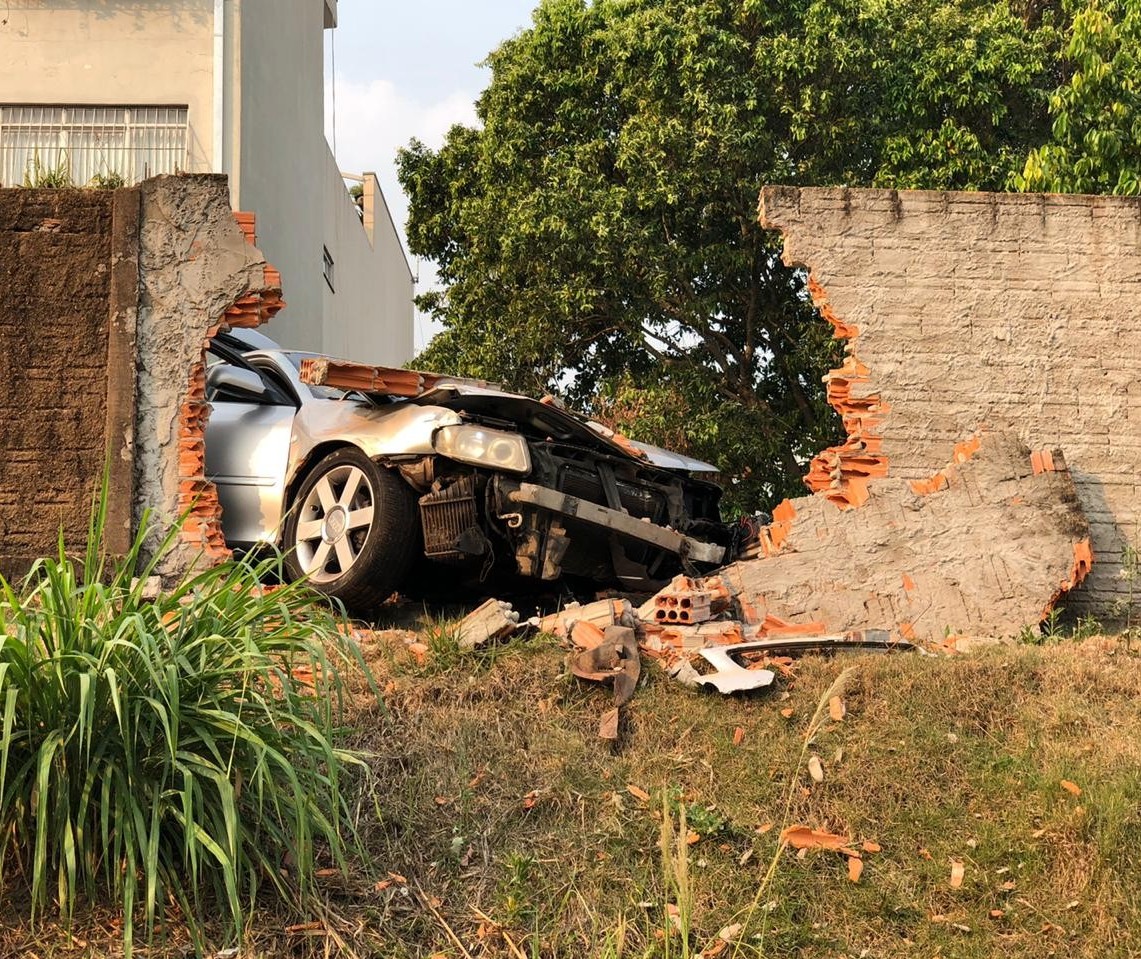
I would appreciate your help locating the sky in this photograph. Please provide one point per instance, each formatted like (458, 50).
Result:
(395, 71)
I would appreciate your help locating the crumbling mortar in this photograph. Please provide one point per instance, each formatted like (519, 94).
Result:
(195, 268)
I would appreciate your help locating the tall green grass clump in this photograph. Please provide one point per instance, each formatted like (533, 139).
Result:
(175, 755)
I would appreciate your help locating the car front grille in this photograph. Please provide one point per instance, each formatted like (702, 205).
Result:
(639, 501)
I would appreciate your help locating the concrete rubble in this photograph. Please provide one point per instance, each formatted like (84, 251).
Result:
(493, 620)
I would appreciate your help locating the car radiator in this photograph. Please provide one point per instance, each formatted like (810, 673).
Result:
(446, 515)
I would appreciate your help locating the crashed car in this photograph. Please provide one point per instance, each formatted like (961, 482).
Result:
(354, 485)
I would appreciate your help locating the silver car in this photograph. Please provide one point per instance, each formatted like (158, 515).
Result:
(355, 486)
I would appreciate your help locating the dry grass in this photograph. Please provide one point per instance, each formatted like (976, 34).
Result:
(940, 759)
(514, 833)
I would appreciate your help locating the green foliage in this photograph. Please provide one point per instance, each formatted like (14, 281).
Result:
(1095, 146)
(930, 94)
(599, 232)
(168, 753)
(43, 177)
(108, 181)
(1055, 629)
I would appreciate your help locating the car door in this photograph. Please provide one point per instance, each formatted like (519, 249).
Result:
(247, 445)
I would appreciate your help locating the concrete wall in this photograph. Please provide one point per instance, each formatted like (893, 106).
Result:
(130, 52)
(66, 388)
(972, 313)
(368, 312)
(107, 301)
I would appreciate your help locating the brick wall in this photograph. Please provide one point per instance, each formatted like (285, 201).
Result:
(973, 312)
(107, 301)
(66, 395)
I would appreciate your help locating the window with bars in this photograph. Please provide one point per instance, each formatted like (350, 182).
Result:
(81, 145)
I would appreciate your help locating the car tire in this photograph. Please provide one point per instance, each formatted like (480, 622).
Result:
(352, 530)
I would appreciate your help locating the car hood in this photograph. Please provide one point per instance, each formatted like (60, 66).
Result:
(552, 421)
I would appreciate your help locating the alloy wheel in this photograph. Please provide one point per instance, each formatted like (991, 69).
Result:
(333, 523)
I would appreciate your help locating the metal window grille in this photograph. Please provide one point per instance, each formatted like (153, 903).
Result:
(327, 259)
(78, 145)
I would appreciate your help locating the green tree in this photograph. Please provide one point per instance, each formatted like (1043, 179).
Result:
(1095, 145)
(597, 235)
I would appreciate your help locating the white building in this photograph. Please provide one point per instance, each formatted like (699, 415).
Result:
(116, 91)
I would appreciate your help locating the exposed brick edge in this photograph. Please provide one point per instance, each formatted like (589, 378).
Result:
(1083, 563)
(842, 473)
(197, 496)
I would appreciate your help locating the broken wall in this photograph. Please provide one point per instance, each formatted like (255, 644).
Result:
(975, 313)
(107, 300)
(198, 270)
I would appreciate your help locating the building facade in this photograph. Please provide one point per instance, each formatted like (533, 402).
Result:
(112, 91)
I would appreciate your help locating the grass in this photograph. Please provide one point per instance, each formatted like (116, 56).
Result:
(941, 760)
(167, 758)
(506, 828)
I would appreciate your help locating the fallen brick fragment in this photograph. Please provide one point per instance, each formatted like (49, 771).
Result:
(601, 613)
(615, 660)
(493, 620)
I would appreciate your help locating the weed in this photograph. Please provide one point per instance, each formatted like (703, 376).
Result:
(1131, 574)
(677, 911)
(1054, 629)
(703, 819)
(175, 754)
(108, 181)
(442, 640)
(1051, 628)
(41, 177)
(515, 893)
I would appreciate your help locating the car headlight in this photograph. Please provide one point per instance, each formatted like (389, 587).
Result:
(480, 446)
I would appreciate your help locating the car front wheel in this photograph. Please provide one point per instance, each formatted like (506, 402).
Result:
(352, 530)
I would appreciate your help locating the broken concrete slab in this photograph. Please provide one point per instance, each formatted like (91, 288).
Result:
(982, 552)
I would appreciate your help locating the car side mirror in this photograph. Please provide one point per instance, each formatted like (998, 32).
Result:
(233, 381)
